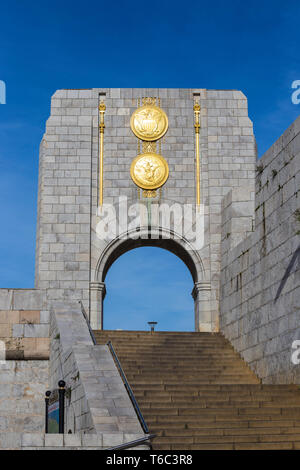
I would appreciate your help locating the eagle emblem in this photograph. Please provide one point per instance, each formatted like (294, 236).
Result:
(149, 122)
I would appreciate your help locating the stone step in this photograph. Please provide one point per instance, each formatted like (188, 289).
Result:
(223, 388)
(153, 341)
(215, 368)
(119, 334)
(191, 378)
(262, 438)
(169, 355)
(173, 385)
(171, 403)
(232, 446)
(195, 392)
(217, 421)
(212, 396)
(231, 427)
(193, 374)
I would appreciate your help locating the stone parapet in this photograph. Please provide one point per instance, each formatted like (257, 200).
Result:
(23, 299)
(76, 441)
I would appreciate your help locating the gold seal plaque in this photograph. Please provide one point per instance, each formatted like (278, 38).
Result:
(149, 122)
(149, 171)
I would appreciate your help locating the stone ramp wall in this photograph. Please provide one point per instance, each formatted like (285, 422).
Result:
(260, 278)
(66, 330)
(98, 402)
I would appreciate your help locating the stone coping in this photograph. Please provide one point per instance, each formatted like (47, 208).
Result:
(36, 441)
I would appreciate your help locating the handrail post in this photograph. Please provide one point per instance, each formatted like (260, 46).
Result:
(47, 397)
(61, 393)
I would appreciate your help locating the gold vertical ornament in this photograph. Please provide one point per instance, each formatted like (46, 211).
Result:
(197, 136)
(102, 108)
(139, 151)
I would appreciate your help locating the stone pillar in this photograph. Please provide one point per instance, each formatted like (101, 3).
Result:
(97, 294)
(201, 296)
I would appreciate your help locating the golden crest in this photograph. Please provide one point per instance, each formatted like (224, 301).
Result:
(149, 122)
(149, 171)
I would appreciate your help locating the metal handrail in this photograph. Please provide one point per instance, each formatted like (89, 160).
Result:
(88, 323)
(137, 442)
(128, 388)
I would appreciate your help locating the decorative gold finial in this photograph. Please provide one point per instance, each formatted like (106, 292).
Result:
(149, 193)
(197, 115)
(102, 109)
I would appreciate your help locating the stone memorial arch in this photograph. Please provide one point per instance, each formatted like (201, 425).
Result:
(122, 168)
(177, 246)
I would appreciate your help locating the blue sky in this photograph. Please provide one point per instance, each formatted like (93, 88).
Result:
(252, 46)
(149, 284)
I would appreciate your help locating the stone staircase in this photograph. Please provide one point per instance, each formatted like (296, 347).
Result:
(196, 392)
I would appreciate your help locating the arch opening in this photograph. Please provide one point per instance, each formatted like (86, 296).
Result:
(148, 284)
(168, 245)
(162, 239)
(167, 240)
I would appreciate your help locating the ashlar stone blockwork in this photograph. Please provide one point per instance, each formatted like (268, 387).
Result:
(260, 293)
(69, 251)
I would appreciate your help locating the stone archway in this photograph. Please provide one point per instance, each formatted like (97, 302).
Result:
(160, 238)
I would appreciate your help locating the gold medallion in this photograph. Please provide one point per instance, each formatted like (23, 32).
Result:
(149, 122)
(149, 171)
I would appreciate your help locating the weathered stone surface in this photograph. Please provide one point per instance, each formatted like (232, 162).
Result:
(22, 334)
(260, 293)
(22, 390)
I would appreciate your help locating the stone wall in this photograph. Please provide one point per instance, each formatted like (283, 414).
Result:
(96, 399)
(24, 324)
(22, 406)
(25, 334)
(63, 233)
(24, 365)
(260, 277)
